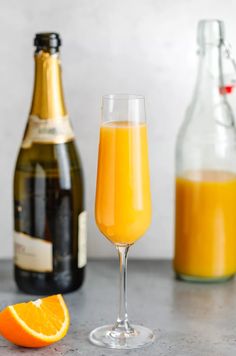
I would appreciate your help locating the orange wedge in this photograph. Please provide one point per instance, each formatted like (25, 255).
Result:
(35, 324)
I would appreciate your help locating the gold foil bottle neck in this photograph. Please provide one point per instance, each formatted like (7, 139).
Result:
(48, 99)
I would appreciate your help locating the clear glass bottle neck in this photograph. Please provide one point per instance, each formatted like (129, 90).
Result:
(48, 98)
(210, 74)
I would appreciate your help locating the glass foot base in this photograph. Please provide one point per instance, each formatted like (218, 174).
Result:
(105, 336)
(187, 278)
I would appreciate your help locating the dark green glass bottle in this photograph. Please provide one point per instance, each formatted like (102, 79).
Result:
(49, 215)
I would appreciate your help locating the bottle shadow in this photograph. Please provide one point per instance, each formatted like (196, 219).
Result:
(9, 293)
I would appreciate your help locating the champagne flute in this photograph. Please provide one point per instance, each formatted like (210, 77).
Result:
(123, 202)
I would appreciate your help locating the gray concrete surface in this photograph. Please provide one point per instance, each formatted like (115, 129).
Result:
(188, 319)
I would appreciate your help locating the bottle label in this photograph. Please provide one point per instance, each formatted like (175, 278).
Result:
(82, 242)
(33, 254)
(47, 131)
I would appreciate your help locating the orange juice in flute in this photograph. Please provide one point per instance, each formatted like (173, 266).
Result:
(123, 203)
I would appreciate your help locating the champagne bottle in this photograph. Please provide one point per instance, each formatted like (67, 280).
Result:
(49, 215)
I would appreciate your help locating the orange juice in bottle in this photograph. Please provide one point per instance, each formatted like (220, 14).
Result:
(206, 224)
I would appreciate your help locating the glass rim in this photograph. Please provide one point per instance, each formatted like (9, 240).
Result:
(123, 97)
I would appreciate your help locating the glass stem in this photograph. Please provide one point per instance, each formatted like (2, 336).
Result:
(122, 323)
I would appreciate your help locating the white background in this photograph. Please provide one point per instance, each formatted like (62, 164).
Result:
(109, 46)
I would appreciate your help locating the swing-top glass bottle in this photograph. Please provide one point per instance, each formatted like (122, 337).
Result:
(205, 226)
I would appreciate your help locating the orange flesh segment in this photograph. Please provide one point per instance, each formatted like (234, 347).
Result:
(45, 319)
